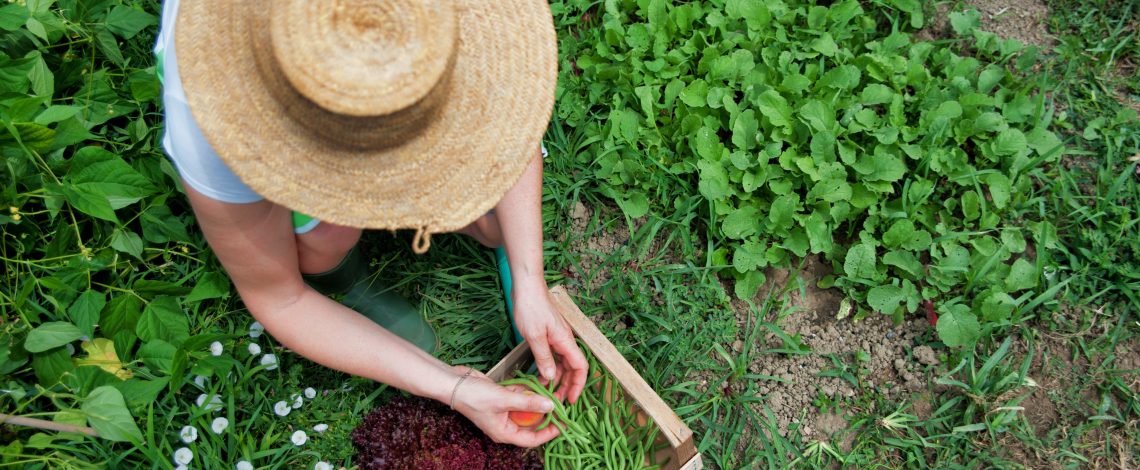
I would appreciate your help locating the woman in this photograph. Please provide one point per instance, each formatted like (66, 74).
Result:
(394, 114)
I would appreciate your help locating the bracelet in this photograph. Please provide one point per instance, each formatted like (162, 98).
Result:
(451, 404)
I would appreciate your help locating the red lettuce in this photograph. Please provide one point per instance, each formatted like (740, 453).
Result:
(419, 434)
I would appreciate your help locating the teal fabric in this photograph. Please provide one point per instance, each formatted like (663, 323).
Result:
(505, 278)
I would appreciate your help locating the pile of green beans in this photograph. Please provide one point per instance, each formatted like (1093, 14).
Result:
(595, 432)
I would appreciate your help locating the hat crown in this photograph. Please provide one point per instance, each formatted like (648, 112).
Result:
(364, 58)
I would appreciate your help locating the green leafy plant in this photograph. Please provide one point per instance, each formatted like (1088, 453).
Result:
(813, 129)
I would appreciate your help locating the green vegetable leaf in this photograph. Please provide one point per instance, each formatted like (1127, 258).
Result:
(741, 223)
(1010, 142)
(163, 319)
(1000, 188)
(903, 234)
(860, 262)
(1022, 275)
(50, 335)
(713, 183)
(748, 284)
(634, 204)
(880, 166)
(783, 208)
(744, 130)
(876, 93)
(957, 326)
(128, 242)
(965, 22)
(885, 299)
(84, 311)
(773, 106)
(997, 307)
(695, 94)
(749, 256)
(107, 413)
(906, 261)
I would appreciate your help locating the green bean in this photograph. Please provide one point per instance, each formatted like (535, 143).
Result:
(593, 433)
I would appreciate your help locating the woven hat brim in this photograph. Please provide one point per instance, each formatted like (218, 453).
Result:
(440, 179)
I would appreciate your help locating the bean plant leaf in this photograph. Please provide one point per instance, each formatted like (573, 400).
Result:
(101, 353)
(163, 319)
(50, 335)
(107, 413)
(128, 242)
(51, 365)
(84, 311)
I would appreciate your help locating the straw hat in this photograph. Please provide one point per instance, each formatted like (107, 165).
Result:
(386, 114)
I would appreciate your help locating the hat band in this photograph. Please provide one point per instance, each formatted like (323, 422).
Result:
(362, 133)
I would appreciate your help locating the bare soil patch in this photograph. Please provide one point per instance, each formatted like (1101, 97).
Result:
(798, 381)
(1023, 20)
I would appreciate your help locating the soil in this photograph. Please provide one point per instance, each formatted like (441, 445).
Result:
(593, 245)
(801, 381)
(1023, 20)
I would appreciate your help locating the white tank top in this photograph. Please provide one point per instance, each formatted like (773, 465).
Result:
(195, 160)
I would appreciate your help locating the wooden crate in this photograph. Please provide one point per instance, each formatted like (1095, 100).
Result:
(681, 454)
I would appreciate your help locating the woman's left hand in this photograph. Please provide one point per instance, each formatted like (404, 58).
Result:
(551, 340)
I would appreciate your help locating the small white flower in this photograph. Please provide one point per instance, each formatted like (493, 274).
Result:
(282, 408)
(216, 348)
(322, 465)
(243, 465)
(321, 428)
(297, 400)
(181, 467)
(310, 393)
(200, 381)
(183, 456)
(269, 361)
(188, 434)
(214, 402)
(219, 425)
(299, 438)
(254, 349)
(255, 329)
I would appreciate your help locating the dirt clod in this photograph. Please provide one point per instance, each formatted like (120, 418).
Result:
(925, 355)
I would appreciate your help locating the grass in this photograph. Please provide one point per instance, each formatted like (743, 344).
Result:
(1054, 388)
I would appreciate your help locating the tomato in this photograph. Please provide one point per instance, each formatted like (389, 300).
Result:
(525, 419)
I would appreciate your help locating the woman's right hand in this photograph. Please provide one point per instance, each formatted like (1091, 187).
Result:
(486, 404)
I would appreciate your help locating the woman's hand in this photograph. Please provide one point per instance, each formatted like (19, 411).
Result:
(486, 404)
(551, 340)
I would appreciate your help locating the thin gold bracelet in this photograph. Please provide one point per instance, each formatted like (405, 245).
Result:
(451, 404)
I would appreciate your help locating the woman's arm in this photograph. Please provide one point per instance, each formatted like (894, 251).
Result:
(520, 218)
(256, 245)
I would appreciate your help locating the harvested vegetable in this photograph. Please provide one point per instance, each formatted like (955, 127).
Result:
(420, 434)
(601, 430)
(525, 419)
